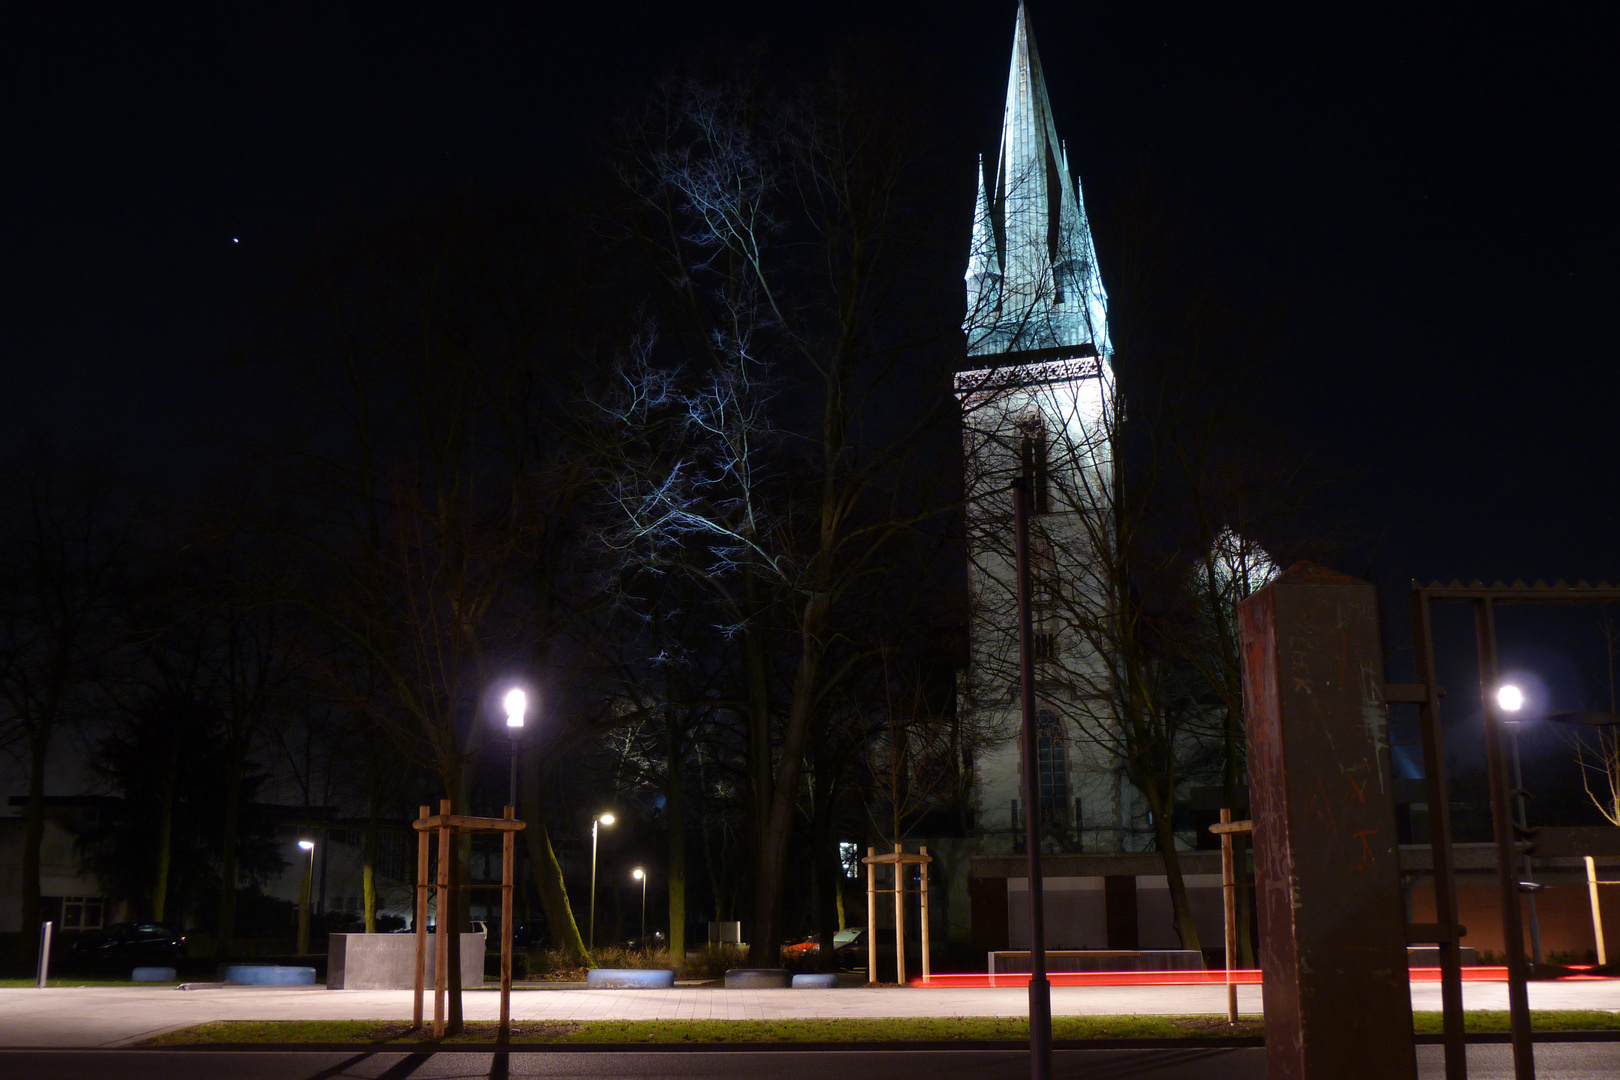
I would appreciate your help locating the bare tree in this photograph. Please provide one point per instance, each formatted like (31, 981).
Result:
(64, 542)
(1598, 752)
(435, 491)
(779, 238)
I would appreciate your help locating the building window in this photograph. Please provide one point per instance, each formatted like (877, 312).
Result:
(1053, 768)
(396, 856)
(81, 912)
(1033, 456)
(850, 856)
(1044, 644)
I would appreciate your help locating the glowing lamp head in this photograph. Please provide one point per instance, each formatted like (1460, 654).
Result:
(606, 819)
(637, 873)
(307, 845)
(1509, 698)
(517, 703)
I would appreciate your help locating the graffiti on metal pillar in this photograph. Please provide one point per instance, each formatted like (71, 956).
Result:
(1333, 928)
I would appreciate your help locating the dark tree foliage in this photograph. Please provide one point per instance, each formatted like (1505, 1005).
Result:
(160, 737)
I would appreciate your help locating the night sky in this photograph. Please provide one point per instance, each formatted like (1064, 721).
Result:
(1417, 212)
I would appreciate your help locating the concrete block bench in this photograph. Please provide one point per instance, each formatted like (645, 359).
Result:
(153, 974)
(269, 975)
(816, 980)
(758, 979)
(629, 979)
(388, 961)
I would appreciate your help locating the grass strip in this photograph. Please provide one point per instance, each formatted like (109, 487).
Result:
(72, 980)
(840, 1029)
(1494, 1020)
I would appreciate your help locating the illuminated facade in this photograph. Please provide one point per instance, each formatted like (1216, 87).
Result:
(1038, 393)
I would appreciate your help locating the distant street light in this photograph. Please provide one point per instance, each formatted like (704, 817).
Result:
(516, 703)
(1510, 699)
(641, 876)
(303, 896)
(600, 819)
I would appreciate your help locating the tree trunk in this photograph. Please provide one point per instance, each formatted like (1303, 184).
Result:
(716, 877)
(227, 865)
(1245, 909)
(827, 868)
(1232, 733)
(771, 858)
(33, 839)
(675, 807)
(368, 866)
(1164, 832)
(165, 838)
(761, 772)
(548, 878)
(460, 874)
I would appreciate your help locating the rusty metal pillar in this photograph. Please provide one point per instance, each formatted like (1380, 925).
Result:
(1333, 926)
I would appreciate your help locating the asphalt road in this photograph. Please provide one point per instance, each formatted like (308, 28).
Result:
(1554, 1061)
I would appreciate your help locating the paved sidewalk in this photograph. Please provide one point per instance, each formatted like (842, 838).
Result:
(118, 1016)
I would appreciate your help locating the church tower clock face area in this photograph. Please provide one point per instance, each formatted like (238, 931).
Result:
(1037, 395)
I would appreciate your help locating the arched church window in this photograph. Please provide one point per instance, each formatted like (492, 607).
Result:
(1053, 761)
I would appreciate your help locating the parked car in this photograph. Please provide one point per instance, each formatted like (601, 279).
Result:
(129, 944)
(849, 947)
(811, 944)
(849, 950)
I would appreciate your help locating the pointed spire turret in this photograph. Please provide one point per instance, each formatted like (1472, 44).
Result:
(984, 261)
(1034, 243)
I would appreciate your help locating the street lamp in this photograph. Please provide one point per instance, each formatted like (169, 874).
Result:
(303, 896)
(641, 875)
(1510, 699)
(516, 703)
(599, 819)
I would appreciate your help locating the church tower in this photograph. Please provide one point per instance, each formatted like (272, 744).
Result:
(1038, 394)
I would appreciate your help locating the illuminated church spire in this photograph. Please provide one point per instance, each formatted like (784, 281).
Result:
(1032, 278)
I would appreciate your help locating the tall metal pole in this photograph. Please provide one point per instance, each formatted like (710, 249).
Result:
(511, 799)
(1440, 857)
(304, 887)
(421, 916)
(1040, 992)
(591, 921)
(871, 916)
(643, 911)
(1229, 914)
(508, 860)
(1524, 826)
(1524, 1062)
(46, 927)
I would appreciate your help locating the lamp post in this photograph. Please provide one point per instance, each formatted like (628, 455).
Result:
(1510, 699)
(303, 896)
(599, 819)
(1040, 990)
(641, 875)
(516, 703)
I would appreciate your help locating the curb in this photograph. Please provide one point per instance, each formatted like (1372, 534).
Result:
(1189, 1043)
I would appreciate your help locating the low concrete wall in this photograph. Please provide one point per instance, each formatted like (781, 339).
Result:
(629, 979)
(1015, 961)
(388, 961)
(269, 975)
(758, 979)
